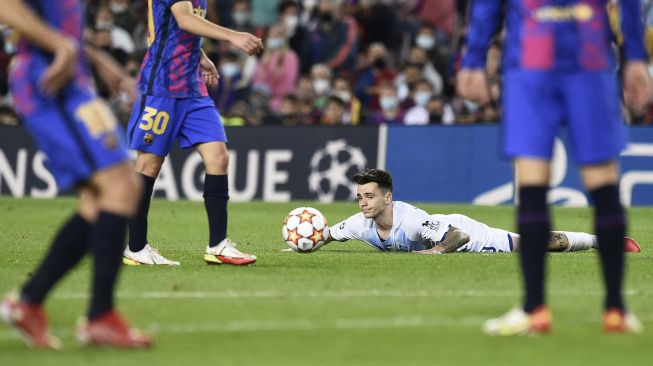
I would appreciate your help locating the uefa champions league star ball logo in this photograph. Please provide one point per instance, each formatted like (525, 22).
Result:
(332, 169)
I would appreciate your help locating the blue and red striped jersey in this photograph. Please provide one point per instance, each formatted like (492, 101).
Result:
(556, 35)
(171, 66)
(67, 16)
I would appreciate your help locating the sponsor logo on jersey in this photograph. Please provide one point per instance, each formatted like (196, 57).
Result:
(432, 225)
(577, 12)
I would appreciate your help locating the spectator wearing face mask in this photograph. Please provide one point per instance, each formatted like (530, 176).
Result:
(335, 40)
(241, 14)
(440, 111)
(278, 68)
(342, 89)
(124, 15)
(299, 37)
(104, 19)
(421, 95)
(228, 90)
(374, 71)
(264, 12)
(321, 76)
(381, 23)
(391, 111)
(428, 39)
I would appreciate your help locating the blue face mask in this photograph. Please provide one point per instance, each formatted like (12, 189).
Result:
(425, 42)
(388, 103)
(422, 98)
(229, 69)
(273, 43)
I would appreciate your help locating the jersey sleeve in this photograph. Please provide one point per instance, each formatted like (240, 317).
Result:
(348, 229)
(484, 22)
(170, 3)
(420, 226)
(633, 29)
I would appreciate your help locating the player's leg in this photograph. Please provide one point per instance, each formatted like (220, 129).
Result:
(203, 130)
(598, 136)
(532, 116)
(116, 191)
(153, 128)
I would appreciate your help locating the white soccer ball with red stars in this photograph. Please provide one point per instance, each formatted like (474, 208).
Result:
(304, 229)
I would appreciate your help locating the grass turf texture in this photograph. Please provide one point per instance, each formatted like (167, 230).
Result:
(346, 304)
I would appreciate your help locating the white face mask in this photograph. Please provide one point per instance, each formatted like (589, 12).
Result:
(321, 86)
(229, 69)
(291, 22)
(240, 17)
(388, 103)
(422, 98)
(309, 4)
(343, 94)
(273, 43)
(118, 8)
(425, 42)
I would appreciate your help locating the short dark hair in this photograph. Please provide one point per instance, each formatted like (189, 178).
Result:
(378, 176)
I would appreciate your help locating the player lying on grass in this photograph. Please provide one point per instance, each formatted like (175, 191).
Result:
(397, 226)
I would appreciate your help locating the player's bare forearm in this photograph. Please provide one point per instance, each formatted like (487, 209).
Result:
(192, 23)
(454, 239)
(22, 19)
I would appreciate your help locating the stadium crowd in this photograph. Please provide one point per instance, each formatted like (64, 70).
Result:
(326, 62)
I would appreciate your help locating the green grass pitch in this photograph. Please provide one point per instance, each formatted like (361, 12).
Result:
(346, 304)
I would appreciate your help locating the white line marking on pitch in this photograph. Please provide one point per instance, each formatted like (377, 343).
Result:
(228, 294)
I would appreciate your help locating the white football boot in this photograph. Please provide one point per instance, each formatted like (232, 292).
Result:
(226, 253)
(148, 256)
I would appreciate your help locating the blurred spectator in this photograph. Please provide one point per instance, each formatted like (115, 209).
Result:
(120, 39)
(306, 94)
(335, 41)
(440, 112)
(391, 111)
(289, 110)
(381, 24)
(321, 81)
(299, 38)
(374, 71)
(406, 81)
(125, 16)
(419, 56)
(8, 116)
(342, 89)
(241, 14)
(441, 14)
(334, 112)
(229, 90)
(278, 68)
(421, 95)
(427, 40)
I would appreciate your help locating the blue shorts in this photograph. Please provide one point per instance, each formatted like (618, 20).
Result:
(157, 122)
(537, 103)
(77, 131)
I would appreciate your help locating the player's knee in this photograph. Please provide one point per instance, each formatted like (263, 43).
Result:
(148, 164)
(217, 164)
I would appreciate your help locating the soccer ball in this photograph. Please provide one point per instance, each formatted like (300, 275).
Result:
(304, 229)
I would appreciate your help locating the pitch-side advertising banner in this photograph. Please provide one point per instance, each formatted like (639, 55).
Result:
(268, 163)
(463, 164)
(429, 164)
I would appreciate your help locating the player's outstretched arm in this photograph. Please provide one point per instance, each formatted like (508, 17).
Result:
(188, 21)
(454, 239)
(20, 17)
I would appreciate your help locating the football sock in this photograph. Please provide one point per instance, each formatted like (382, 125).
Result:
(580, 241)
(68, 247)
(138, 225)
(107, 241)
(534, 227)
(216, 196)
(610, 226)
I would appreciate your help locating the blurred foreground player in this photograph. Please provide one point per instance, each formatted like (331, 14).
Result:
(559, 66)
(51, 87)
(174, 105)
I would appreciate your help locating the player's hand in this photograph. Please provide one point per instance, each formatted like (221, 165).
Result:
(472, 84)
(128, 87)
(61, 69)
(209, 72)
(435, 250)
(637, 85)
(247, 42)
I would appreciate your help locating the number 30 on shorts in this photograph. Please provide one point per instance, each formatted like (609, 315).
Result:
(154, 120)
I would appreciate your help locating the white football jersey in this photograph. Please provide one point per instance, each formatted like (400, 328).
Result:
(413, 229)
